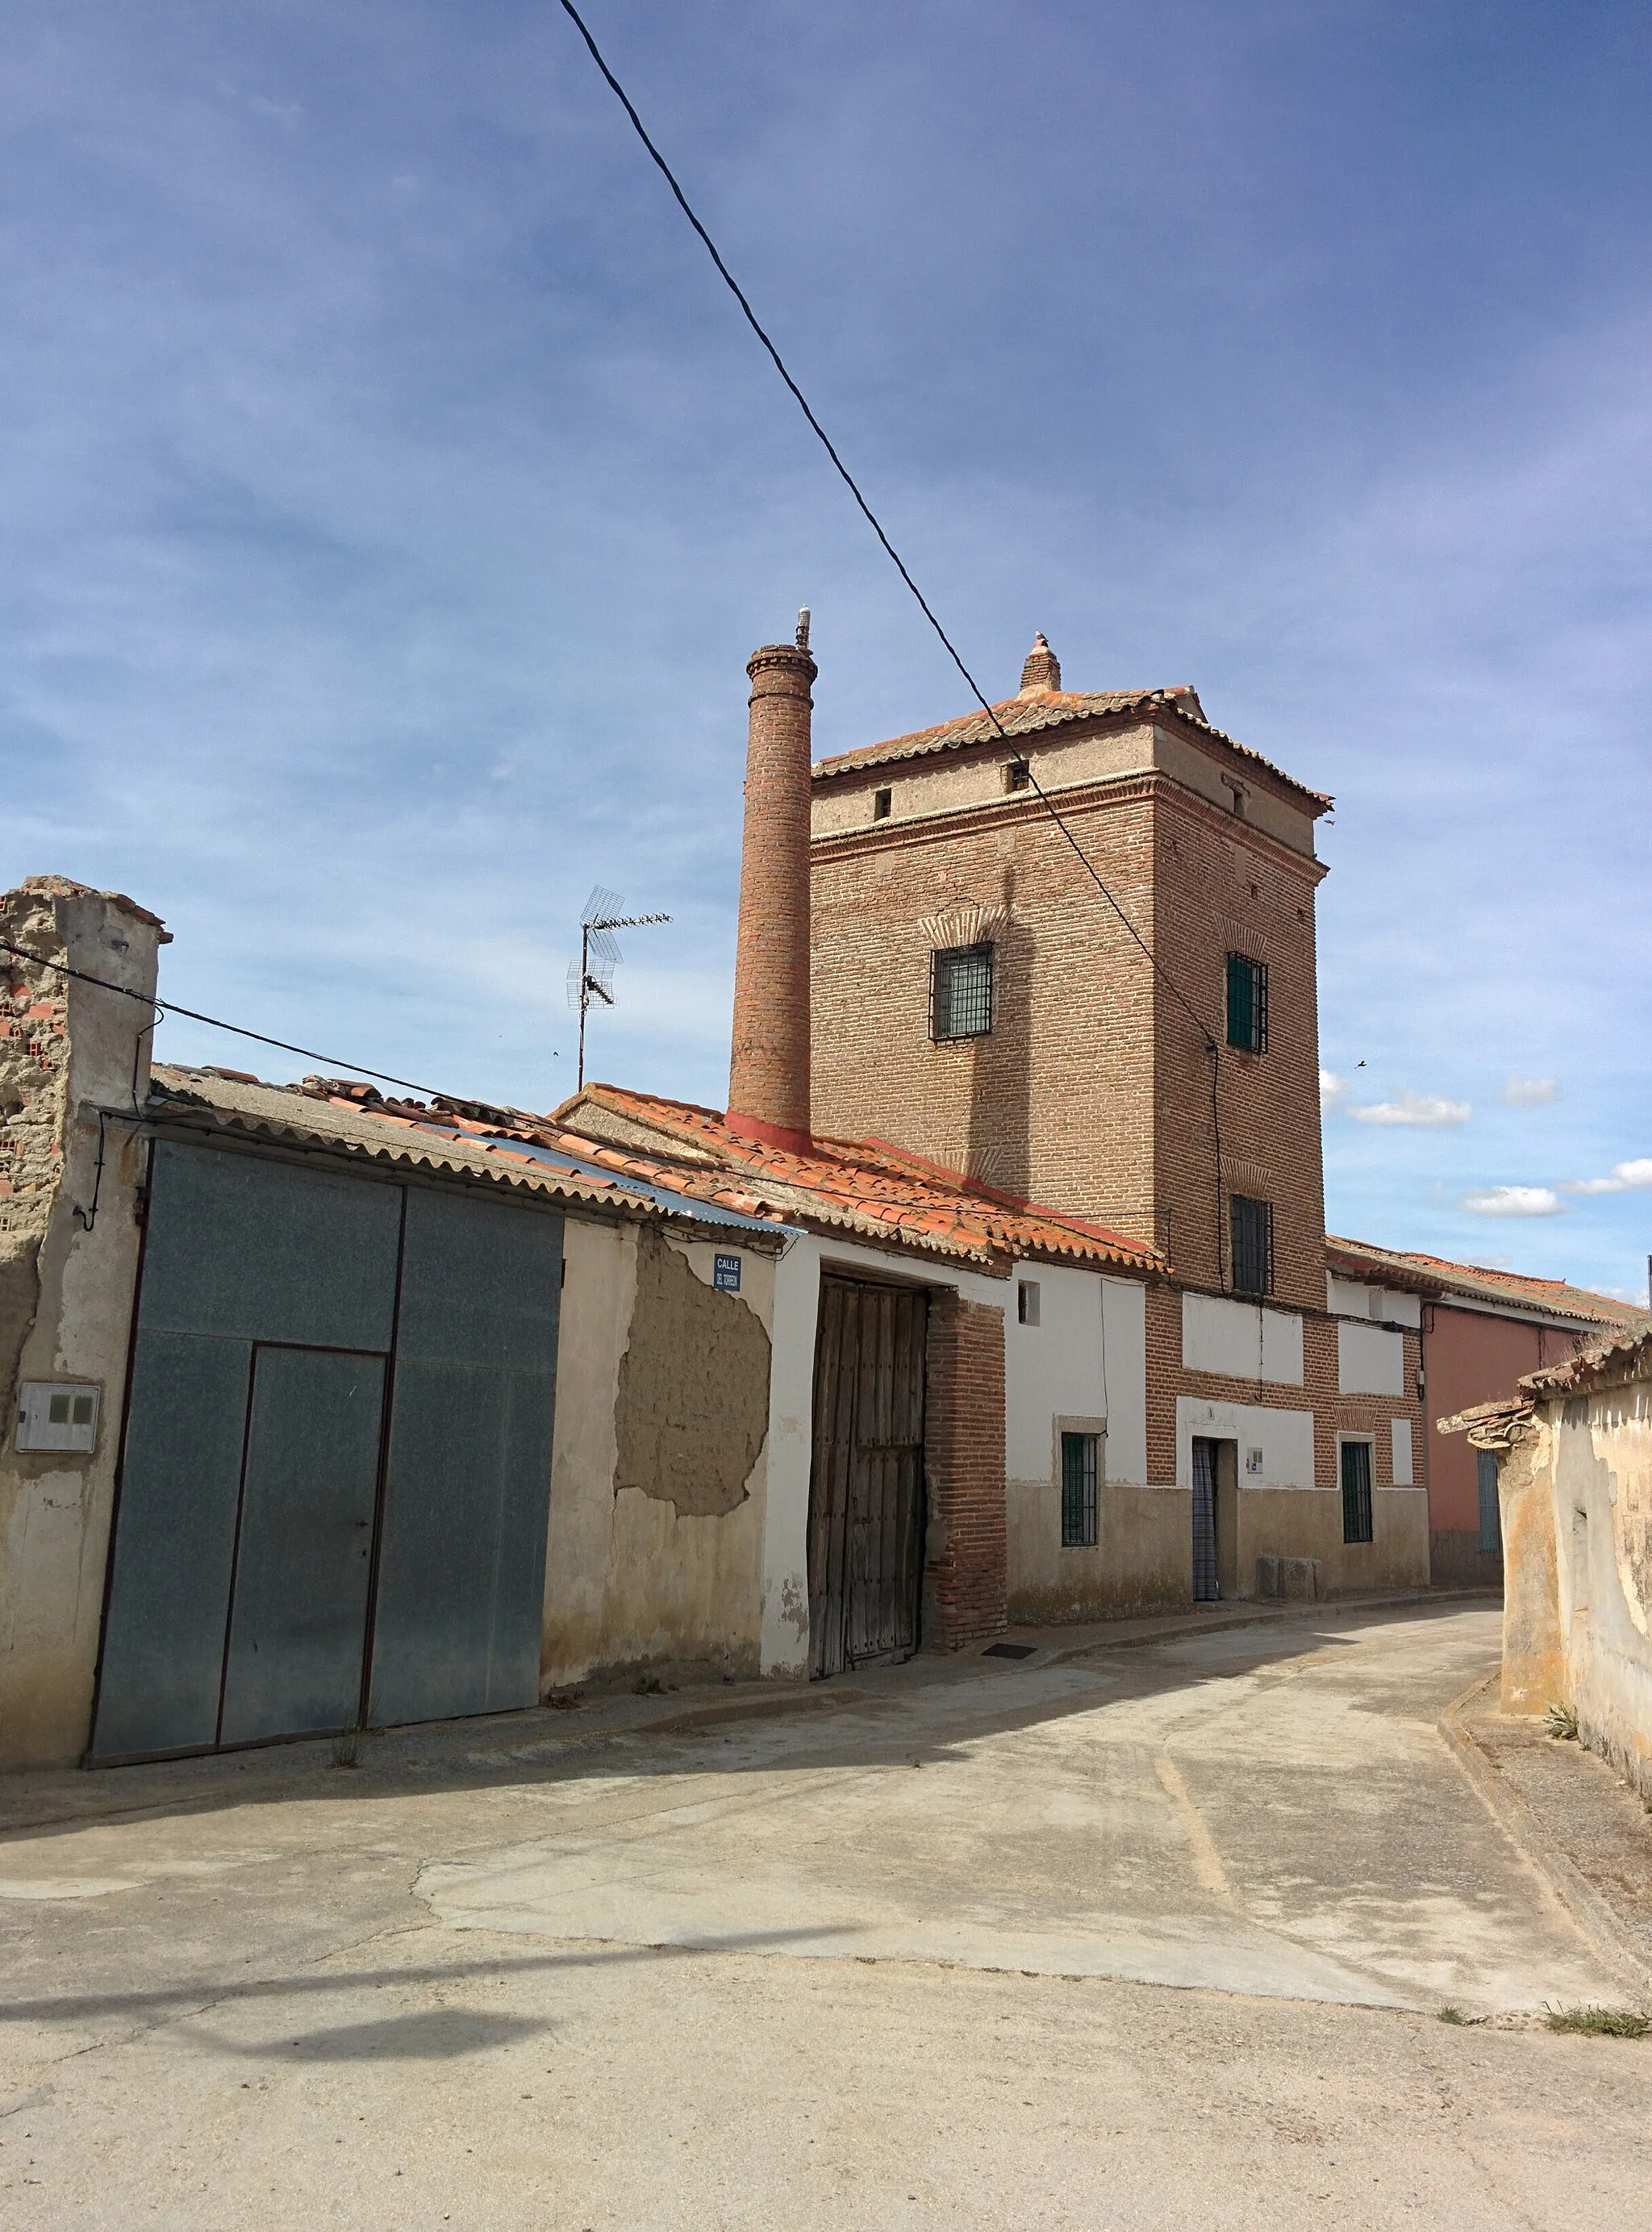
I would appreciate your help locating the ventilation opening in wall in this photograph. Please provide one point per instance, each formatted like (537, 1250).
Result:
(1018, 776)
(883, 803)
(1026, 1301)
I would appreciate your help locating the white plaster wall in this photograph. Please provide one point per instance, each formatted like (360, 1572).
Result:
(1285, 1438)
(1400, 1435)
(785, 1639)
(1087, 1358)
(1242, 1339)
(1381, 1305)
(1371, 1360)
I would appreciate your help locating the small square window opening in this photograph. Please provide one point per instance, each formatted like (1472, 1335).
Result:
(1356, 1492)
(1246, 1003)
(1078, 1491)
(1026, 1300)
(883, 803)
(1252, 1245)
(961, 993)
(1018, 776)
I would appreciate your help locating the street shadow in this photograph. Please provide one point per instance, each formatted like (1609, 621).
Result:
(878, 1717)
(437, 2034)
(434, 2034)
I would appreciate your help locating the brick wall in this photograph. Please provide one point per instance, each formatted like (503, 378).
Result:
(966, 1571)
(768, 1070)
(1092, 1092)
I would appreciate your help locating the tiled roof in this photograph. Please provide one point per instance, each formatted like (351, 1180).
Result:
(507, 1146)
(1627, 1356)
(1436, 1275)
(864, 1186)
(1054, 709)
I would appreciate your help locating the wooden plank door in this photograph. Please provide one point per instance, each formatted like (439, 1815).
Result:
(866, 1485)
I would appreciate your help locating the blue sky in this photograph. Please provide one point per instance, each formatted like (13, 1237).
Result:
(393, 497)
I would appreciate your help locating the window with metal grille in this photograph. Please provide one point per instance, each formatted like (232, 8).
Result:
(882, 804)
(1356, 1491)
(1018, 776)
(1491, 1522)
(1246, 1003)
(1078, 1491)
(962, 992)
(1252, 1238)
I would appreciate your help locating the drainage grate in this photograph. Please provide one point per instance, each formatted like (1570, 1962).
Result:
(1009, 1651)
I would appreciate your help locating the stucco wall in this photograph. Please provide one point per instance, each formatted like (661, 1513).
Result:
(1602, 1499)
(658, 1472)
(66, 1285)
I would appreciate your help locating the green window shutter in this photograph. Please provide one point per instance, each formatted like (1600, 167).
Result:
(1241, 1002)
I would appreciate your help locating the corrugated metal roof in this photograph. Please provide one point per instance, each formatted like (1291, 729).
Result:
(1054, 709)
(354, 1119)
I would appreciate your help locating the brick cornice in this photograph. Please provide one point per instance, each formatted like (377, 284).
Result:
(947, 823)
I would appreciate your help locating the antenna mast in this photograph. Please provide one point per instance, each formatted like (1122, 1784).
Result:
(591, 977)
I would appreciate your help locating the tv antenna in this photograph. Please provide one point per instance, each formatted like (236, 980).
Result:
(591, 976)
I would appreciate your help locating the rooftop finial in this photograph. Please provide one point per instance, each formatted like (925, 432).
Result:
(803, 628)
(1041, 670)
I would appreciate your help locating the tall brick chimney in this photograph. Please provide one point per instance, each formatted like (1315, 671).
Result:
(768, 1073)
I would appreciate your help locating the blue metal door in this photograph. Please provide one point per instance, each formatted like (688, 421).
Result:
(298, 1618)
(262, 1511)
(460, 1610)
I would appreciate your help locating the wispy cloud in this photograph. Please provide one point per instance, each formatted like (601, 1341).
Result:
(1424, 1109)
(1530, 1091)
(1514, 1201)
(1624, 1176)
(1333, 1091)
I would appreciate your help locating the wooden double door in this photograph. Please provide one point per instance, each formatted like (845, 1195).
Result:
(867, 1512)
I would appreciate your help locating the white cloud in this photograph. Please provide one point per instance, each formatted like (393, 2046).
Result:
(1426, 1108)
(1530, 1091)
(1332, 1092)
(1514, 1201)
(1624, 1177)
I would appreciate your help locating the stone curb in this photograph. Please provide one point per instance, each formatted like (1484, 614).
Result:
(1583, 1904)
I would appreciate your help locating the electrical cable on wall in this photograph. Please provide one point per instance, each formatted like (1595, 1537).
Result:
(802, 401)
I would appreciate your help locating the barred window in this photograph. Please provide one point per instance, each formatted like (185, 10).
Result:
(1018, 776)
(1253, 1237)
(961, 993)
(1356, 1491)
(1078, 1491)
(883, 803)
(1246, 1003)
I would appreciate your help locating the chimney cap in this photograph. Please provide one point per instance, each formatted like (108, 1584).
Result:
(1040, 671)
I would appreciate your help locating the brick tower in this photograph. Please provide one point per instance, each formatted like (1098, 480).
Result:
(977, 999)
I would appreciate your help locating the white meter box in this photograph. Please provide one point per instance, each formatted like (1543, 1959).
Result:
(56, 1414)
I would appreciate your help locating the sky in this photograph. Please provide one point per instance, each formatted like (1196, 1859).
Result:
(392, 496)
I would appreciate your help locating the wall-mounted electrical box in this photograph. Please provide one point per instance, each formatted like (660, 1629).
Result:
(56, 1414)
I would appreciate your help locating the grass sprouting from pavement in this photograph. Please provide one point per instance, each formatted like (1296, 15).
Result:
(1453, 2015)
(1601, 2022)
(1563, 1723)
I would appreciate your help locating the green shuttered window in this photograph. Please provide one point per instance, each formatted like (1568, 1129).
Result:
(1356, 1491)
(1246, 1003)
(1078, 1491)
(1252, 1245)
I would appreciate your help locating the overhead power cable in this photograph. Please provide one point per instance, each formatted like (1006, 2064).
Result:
(871, 516)
(163, 1008)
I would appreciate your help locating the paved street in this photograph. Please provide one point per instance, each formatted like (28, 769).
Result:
(1156, 1936)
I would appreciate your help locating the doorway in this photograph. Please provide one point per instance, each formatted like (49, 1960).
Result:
(1216, 1520)
(334, 1481)
(866, 1479)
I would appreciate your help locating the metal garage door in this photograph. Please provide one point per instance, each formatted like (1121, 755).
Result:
(336, 1471)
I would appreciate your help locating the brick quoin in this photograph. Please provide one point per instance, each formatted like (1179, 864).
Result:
(966, 1576)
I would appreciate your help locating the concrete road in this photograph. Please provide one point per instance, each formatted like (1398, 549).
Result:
(917, 1955)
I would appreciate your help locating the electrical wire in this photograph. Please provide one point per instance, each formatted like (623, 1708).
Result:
(163, 1008)
(873, 522)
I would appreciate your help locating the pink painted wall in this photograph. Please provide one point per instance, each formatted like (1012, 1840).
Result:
(1472, 1359)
